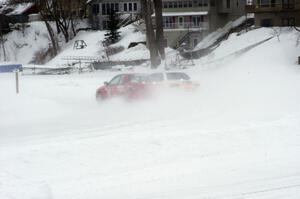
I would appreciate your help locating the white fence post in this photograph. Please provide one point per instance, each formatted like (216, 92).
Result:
(17, 81)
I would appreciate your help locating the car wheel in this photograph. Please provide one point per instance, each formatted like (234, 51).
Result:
(100, 98)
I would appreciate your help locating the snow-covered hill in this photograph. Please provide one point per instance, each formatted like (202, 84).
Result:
(31, 42)
(23, 45)
(236, 137)
(95, 47)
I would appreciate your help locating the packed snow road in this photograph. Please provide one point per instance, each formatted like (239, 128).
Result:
(238, 136)
(225, 141)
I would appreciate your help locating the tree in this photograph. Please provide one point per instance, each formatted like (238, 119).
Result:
(64, 13)
(151, 42)
(4, 28)
(113, 34)
(159, 28)
(155, 41)
(45, 12)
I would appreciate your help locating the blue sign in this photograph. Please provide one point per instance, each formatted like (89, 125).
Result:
(6, 68)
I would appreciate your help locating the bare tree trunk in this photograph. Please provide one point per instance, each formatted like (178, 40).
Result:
(2, 43)
(159, 28)
(154, 56)
(52, 38)
(73, 28)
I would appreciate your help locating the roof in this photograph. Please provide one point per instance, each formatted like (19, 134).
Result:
(21, 8)
(171, 14)
(16, 9)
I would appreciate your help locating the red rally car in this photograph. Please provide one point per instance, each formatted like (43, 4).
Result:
(129, 86)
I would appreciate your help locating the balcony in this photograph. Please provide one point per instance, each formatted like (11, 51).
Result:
(280, 7)
(186, 26)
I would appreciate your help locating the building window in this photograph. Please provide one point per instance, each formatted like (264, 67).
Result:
(135, 6)
(168, 22)
(264, 3)
(212, 3)
(180, 21)
(103, 9)
(228, 3)
(95, 9)
(175, 5)
(116, 7)
(288, 4)
(130, 7)
(125, 7)
(108, 7)
(183, 4)
(180, 4)
(196, 21)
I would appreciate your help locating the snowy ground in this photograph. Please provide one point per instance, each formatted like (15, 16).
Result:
(238, 136)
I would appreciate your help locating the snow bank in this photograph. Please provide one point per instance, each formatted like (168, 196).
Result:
(237, 42)
(219, 33)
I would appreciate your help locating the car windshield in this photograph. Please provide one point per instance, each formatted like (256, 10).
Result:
(177, 76)
(116, 80)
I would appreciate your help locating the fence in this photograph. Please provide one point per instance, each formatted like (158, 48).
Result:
(6, 68)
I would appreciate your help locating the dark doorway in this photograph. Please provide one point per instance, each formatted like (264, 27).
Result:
(266, 23)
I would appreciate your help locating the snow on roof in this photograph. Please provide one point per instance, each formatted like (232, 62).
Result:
(21, 8)
(3, 2)
(167, 14)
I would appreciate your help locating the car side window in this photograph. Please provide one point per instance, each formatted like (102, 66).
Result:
(156, 77)
(135, 79)
(138, 79)
(115, 80)
(177, 76)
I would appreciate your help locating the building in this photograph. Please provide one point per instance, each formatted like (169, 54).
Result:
(19, 13)
(185, 21)
(275, 12)
(99, 11)
(189, 21)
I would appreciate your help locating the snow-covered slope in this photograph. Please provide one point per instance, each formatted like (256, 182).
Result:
(219, 33)
(236, 137)
(22, 45)
(239, 41)
(96, 50)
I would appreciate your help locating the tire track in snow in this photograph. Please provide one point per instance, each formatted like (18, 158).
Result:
(71, 134)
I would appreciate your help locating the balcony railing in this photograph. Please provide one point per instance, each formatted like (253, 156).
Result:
(186, 25)
(272, 7)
